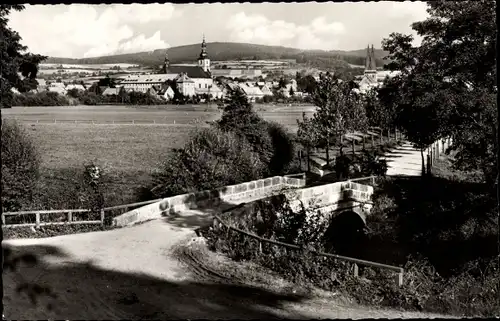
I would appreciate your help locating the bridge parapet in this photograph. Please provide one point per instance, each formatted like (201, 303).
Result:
(333, 197)
(232, 194)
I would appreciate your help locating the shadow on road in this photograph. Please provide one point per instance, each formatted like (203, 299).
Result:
(72, 290)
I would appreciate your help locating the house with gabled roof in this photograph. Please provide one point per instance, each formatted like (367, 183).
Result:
(252, 93)
(166, 93)
(111, 91)
(265, 90)
(185, 85)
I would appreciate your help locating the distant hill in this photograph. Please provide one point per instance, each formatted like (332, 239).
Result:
(230, 51)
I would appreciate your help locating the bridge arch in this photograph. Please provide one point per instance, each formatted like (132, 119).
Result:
(345, 233)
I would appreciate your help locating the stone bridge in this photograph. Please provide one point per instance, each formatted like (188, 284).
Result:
(337, 197)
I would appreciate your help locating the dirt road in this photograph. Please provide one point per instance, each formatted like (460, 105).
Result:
(131, 273)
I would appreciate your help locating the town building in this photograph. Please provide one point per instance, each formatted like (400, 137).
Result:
(166, 93)
(195, 78)
(73, 86)
(111, 91)
(373, 78)
(238, 73)
(57, 87)
(252, 92)
(369, 79)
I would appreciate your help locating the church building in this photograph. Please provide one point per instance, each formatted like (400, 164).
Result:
(192, 79)
(369, 79)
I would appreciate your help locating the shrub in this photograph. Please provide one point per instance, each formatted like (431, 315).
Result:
(283, 149)
(20, 167)
(370, 163)
(45, 98)
(210, 159)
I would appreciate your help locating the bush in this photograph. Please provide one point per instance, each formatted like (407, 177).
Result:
(210, 159)
(45, 98)
(20, 167)
(283, 149)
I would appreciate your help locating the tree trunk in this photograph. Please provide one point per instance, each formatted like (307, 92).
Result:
(429, 165)
(373, 140)
(308, 159)
(353, 149)
(423, 161)
(328, 151)
(364, 142)
(381, 136)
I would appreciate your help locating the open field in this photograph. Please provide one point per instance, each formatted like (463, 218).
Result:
(127, 152)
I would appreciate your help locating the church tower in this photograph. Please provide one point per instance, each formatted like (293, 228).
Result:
(370, 66)
(203, 60)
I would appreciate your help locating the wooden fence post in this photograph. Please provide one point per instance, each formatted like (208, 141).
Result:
(3, 219)
(70, 217)
(260, 246)
(102, 216)
(356, 270)
(37, 215)
(399, 278)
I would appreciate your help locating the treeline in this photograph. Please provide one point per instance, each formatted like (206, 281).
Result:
(229, 51)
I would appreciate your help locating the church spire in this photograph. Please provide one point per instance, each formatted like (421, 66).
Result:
(370, 59)
(203, 53)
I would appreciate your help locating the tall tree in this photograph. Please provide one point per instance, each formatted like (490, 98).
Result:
(307, 136)
(447, 86)
(339, 111)
(18, 68)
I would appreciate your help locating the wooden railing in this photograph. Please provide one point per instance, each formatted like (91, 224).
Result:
(371, 179)
(399, 271)
(69, 213)
(108, 122)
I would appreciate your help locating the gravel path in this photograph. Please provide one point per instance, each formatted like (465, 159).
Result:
(404, 160)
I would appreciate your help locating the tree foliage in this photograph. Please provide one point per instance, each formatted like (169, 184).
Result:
(18, 67)
(339, 110)
(20, 167)
(270, 141)
(447, 86)
(212, 158)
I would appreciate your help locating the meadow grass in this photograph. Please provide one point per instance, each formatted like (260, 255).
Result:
(128, 153)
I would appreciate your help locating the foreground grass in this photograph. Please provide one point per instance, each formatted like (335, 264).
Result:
(50, 231)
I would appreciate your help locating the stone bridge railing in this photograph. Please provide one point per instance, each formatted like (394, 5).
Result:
(231, 195)
(338, 197)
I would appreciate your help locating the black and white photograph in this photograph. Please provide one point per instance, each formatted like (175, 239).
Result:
(274, 160)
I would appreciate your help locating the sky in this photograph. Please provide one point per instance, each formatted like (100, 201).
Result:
(82, 30)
